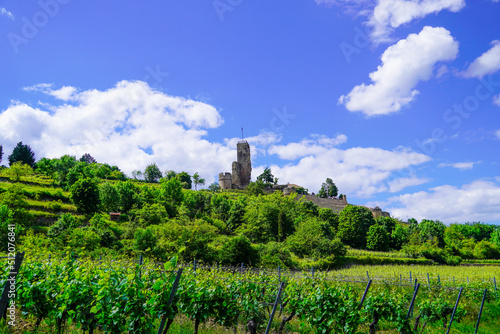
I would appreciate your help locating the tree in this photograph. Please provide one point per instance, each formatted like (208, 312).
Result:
(22, 153)
(152, 173)
(399, 237)
(267, 177)
(331, 220)
(63, 226)
(15, 199)
(185, 179)
(239, 250)
(109, 197)
(328, 189)
(377, 238)
(85, 195)
(430, 229)
(310, 240)
(197, 180)
(214, 187)
(302, 191)
(495, 236)
(128, 195)
(87, 158)
(18, 169)
(255, 188)
(354, 223)
(388, 223)
(1, 153)
(236, 215)
(152, 214)
(145, 240)
(171, 195)
(486, 250)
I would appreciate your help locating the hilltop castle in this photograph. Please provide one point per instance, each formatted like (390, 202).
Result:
(242, 169)
(242, 173)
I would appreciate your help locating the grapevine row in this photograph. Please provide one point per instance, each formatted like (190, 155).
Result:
(130, 299)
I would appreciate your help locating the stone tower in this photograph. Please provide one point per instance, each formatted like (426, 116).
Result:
(225, 181)
(241, 169)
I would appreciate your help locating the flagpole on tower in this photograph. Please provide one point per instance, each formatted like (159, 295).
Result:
(242, 137)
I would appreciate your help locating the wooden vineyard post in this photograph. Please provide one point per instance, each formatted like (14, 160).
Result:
(171, 299)
(10, 286)
(278, 297)
(140, 264)
(414, 288)
(480, 311)
(364, 295)
(454, 309)
(412, 301)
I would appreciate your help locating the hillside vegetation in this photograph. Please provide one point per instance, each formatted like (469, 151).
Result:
(64, 205)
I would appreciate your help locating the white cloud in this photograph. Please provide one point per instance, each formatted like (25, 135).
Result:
(404, 65)
(404, 182)
(497, 133)
(317, 144)
(65, 93)
(357, 171)
(118, 125)
(487, 63)
(463, 165)
(262, 139)
(477, 201)
(459, 165)
(496, 99)
(5, 12)
(390, 14)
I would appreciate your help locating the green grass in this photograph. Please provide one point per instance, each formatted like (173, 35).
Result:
(364, 252)
(51, 206)
(33, 178)
(448, 275)
(39, 192)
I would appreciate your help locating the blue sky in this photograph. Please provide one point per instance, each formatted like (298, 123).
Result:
(397, 101)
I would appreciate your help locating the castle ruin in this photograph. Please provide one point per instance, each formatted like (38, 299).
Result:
(241, 169)
(242, 172)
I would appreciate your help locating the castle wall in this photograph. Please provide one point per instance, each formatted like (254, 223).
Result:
(331, 203)
(338, 204)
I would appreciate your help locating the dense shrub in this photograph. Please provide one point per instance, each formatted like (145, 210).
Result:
(274, 254)
(239, 250)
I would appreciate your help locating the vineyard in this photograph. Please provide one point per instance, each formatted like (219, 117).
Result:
(68, 295)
